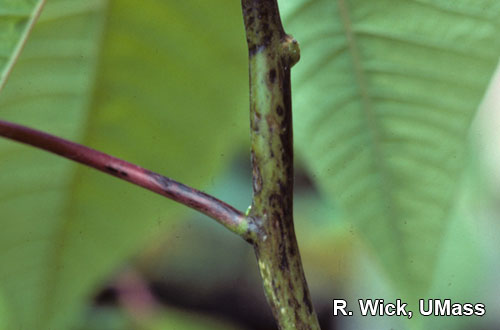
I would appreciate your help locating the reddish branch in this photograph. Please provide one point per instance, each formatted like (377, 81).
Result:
(231, 218)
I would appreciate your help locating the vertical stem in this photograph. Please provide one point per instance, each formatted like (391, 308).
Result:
(271, 55)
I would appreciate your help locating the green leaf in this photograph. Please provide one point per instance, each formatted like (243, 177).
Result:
(112, 318)
(179, 320)
(16, 20)
(383, 97)
(159, 83)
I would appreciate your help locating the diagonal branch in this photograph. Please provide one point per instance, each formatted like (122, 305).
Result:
(225, 214)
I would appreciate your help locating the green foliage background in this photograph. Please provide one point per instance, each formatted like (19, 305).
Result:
(384, 96)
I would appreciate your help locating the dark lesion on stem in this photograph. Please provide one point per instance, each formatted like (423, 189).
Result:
(264, 29)
(271, 55)
(116, 172)
(262, 24)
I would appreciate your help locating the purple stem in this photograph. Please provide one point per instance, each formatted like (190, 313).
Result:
(225, 214)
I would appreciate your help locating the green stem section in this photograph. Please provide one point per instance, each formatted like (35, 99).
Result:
(271, 55)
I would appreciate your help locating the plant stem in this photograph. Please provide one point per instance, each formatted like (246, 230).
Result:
(225, 214)
(271, 55)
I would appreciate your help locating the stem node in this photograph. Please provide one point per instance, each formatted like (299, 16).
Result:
(291, 49)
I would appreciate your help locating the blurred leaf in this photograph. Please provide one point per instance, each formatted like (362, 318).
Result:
(4, 314)
(325, 242)
(461, 258)
(464, 253)
(384, 95)
(178, 320)
(159, 83)
(113, 318)
(106, 318)
(16, 20)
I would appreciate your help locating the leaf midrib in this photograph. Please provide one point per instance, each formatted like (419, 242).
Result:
(55, 256)
(4, 75)
(370, 122)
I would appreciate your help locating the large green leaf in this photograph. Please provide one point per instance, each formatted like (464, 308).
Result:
(16, 20)
(112, 318)
(159, 83)
(384, 95)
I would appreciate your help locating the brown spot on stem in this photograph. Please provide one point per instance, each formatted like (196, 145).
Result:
(290, 285)
(297, 317)
(252, 50)
(257, 178)
(115, 171)
(283, 262)
(274, 200)
(306, 300)
(272, 76)
(279, 110)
